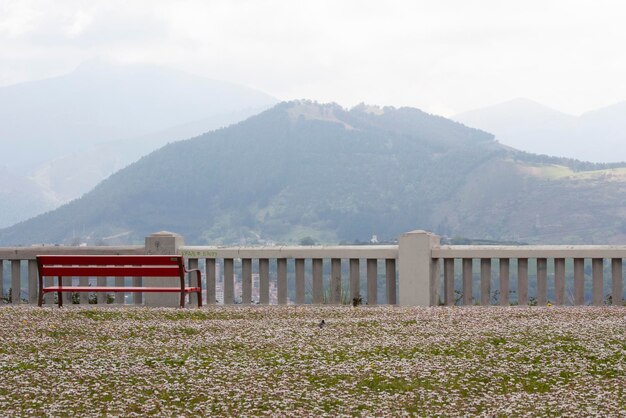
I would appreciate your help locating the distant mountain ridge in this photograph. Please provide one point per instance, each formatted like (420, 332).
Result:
(597, 135)
(63, 135)
(303, 169)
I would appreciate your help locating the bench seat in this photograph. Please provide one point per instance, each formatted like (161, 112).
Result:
(129, 289)
(167, 266)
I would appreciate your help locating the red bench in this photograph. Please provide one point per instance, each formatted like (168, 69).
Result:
(115, 266)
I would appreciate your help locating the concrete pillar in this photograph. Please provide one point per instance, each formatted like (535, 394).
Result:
(579, 281)
(300, 281)
(616, 273)
(559, 281)
(162, 243)
(448, 281)
(504, 282)
(415, 264)
(485, 281)
(435, 281)
(246, 281)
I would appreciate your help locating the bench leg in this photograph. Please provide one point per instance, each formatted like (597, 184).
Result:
(199, 293)
(182, 299)
(59, 293)
(40, 298)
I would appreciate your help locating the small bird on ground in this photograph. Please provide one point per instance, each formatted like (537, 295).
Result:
(321, 324)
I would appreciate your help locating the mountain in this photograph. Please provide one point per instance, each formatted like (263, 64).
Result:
(100, 102)
(70, 176)
(63, 135)
(527, 125)
(16, 198)
(307, 169)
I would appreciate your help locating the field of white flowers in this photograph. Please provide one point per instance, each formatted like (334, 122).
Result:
(278, 361)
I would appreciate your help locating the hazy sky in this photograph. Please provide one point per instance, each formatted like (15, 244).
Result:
(442, 56)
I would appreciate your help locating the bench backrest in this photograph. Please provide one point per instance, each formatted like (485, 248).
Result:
(111, 265)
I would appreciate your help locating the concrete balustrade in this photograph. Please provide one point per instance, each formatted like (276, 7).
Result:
(412, 273)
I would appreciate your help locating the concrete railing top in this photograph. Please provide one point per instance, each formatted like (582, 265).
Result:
(529, 251)
(338, 251)
(30, 253)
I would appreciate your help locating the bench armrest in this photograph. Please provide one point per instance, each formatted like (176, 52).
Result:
(198, 276)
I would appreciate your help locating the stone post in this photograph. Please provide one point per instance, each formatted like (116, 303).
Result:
(417, 269)
(162, 243)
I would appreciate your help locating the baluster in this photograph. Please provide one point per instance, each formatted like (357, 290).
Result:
(559, 281)
(335, 281)
(300, 281)
(281, 281)
(616, 270)
(48, 297)
(192, 280)
(372, 281)
(390, 276)
(67, 296)
(264, 281)
(101, 296)
(137, 296)
(522, 281)
(33, 282)
(246, 281)
(504, 282)
(229, 278)
(355, 279)
(485, 281)
(83, 296)
(542, 281)
(448, 281)
(597, 265)
(468, 299)
(119, 296)
(16, 282)
(579, 281)
(211, 298)
(318, 281)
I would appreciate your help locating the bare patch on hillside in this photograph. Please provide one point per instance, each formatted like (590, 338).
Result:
(553, 172)
(312, 111)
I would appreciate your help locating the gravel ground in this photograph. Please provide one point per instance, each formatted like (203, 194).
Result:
(249, 361)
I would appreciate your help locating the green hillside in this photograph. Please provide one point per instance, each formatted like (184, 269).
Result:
(305, 169)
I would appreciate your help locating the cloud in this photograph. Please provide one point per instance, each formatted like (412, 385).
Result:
(449, 54)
